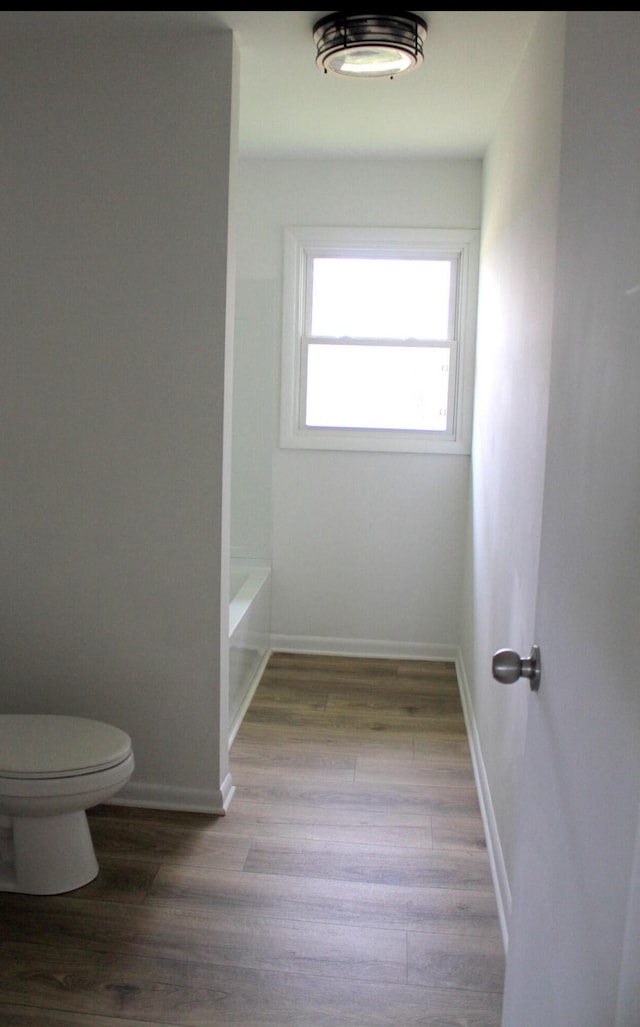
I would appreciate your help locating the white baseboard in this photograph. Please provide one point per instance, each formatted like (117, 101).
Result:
(188, 800)
(362, 647)
(494, 848)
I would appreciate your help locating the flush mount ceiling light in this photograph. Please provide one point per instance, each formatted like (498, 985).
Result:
(369, 45)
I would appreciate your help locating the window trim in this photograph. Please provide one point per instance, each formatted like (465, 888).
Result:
(299, 243)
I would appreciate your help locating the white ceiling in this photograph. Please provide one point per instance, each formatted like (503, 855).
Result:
(447, 108)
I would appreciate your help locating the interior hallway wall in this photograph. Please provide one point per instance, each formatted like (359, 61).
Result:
(520, 196)
(118, 149)
(367, 548)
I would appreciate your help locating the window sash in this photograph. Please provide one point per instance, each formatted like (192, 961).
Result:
(443, 432)
(450, 259)
(301, 245)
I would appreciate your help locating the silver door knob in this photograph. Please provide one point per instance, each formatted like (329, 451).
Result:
(508, 667)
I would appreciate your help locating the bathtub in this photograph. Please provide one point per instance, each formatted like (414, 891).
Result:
(249, 618)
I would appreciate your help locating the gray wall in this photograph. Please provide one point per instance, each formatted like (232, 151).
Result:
(117, 152)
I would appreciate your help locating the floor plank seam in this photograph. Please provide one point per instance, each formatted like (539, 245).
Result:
(349, 883)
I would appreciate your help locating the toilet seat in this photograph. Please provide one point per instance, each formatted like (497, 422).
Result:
(45, 746)
(52, 770)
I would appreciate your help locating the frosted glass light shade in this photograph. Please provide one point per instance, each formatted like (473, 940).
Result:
(369, 45)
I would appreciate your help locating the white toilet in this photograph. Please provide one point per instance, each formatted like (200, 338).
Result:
(52, 769)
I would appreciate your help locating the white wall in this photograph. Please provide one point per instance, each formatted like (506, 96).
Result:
(575, 924)
(511, 402)
(367, 548)
(117, 151)
(255, 379)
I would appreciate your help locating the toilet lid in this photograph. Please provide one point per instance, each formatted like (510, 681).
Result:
(36, 745)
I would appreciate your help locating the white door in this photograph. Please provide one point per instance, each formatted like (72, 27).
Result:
(573, 957)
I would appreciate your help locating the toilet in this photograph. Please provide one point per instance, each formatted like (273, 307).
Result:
(52, 769)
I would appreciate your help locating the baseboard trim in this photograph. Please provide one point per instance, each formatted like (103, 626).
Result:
(385, 648)
(188, 800)
(494, 848)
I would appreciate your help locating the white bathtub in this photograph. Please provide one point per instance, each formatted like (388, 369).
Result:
(249, 619)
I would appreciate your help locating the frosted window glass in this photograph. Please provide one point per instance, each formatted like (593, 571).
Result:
(392, 387)
(365, 298)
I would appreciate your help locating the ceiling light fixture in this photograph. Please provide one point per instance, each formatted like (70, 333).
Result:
(369, 45)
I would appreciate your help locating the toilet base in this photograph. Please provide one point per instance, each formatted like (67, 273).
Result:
(48, 855)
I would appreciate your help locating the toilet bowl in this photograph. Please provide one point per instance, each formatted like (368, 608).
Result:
(52, 769)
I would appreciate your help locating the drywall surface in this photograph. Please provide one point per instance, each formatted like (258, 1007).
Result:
(115, 192)
(367, 548)
(510, 414)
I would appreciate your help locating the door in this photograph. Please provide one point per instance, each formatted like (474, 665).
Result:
(573, 957)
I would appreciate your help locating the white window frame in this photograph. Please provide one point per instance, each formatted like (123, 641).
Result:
(300, 246)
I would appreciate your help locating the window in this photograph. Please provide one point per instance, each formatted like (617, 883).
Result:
(378, 339)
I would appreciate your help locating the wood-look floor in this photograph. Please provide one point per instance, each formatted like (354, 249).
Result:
(348, 886)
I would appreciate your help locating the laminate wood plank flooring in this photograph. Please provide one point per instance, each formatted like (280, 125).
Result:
(348, 885)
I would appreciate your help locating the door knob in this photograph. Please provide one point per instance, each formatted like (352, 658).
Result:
(508, 667)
